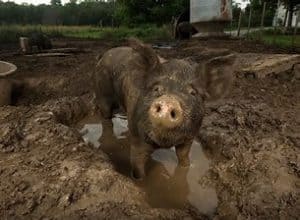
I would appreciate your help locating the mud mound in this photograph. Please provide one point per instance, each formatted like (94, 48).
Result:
(256, 166)
(51, 173)
(250, 140)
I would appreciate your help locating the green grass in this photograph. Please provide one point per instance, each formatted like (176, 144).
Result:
(279, 39)
(11, 33)
(282, 40)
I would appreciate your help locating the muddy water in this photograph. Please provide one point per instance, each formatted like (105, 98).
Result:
(166, 185)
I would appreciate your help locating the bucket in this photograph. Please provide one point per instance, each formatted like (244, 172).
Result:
(6, 68)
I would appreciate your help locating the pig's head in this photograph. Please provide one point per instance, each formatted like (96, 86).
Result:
(171, 106)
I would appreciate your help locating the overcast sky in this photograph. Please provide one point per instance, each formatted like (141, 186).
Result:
(36, 2)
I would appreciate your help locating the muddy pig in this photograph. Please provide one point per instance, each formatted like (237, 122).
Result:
(9, 88)
(40, 40)
(164, 102)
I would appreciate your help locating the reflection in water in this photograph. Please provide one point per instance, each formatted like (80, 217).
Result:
(167, 185)
(91, 133)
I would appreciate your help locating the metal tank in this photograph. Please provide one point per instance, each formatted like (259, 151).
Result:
(210, 17)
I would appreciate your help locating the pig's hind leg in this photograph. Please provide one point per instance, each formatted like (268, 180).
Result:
(104, 92)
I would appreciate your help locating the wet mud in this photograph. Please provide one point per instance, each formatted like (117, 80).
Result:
(60, 160)
(167, 185)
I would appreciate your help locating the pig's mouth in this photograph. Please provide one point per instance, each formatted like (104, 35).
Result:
(163, 139)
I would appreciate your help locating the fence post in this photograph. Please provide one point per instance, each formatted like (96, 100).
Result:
(239, 25)
(231, 24)
(112, 16)
(249, 20)
(295, 29)
(262, 19)
(275, 23)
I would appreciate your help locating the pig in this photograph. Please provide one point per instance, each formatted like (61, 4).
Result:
(185, 30)
(9, 87)
(164, 102)
(40, 40)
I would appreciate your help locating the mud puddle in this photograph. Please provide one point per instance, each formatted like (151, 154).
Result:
(166, 185)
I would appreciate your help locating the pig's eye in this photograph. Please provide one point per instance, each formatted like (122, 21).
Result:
(192, 91)
(158, 88)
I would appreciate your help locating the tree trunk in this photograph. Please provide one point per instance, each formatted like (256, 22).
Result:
(291, 7)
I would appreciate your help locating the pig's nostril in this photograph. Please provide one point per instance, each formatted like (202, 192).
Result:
(166, 112)
(173, 114)
(158, 108)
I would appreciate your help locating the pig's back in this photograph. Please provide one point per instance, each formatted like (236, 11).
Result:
(122, 65)
(117, 59)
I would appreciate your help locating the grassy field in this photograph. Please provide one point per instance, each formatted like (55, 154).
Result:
(11, 33)
(281, 40)
(277, 39)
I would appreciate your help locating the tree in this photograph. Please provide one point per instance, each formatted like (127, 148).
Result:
(73, 1)
(93, 12)
(256, 7)
(149, 11)
(56, 2)
(291, 6)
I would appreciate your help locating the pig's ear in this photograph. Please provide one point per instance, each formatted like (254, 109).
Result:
(150, 58)
(216, 76)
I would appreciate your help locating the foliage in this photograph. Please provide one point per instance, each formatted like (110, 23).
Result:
(93, 12)
(11, 33)
(55, 2)
(84, 13)
(159, 11)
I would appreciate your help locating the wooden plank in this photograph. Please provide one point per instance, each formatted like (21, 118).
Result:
(274, 65)
(49, 55)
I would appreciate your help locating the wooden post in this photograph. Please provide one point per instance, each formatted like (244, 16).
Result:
(239, 25)
(263, 15)
(285, 20)
(274, 34)
(275, 24)
(24, 44)
(231, 24)
(112, 16)
(262, 19)
(295, 29)
(249, 20)
(285, 17)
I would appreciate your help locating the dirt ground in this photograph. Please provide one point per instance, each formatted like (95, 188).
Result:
(251, 139)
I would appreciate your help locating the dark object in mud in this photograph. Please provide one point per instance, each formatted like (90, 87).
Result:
(164, 102)
(9, 89)
(185, 30)
(40, 40)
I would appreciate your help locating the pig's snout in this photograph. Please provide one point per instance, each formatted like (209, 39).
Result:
(166, 112)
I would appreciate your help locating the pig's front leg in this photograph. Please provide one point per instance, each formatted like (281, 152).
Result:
(182, 152)
(139, 155)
